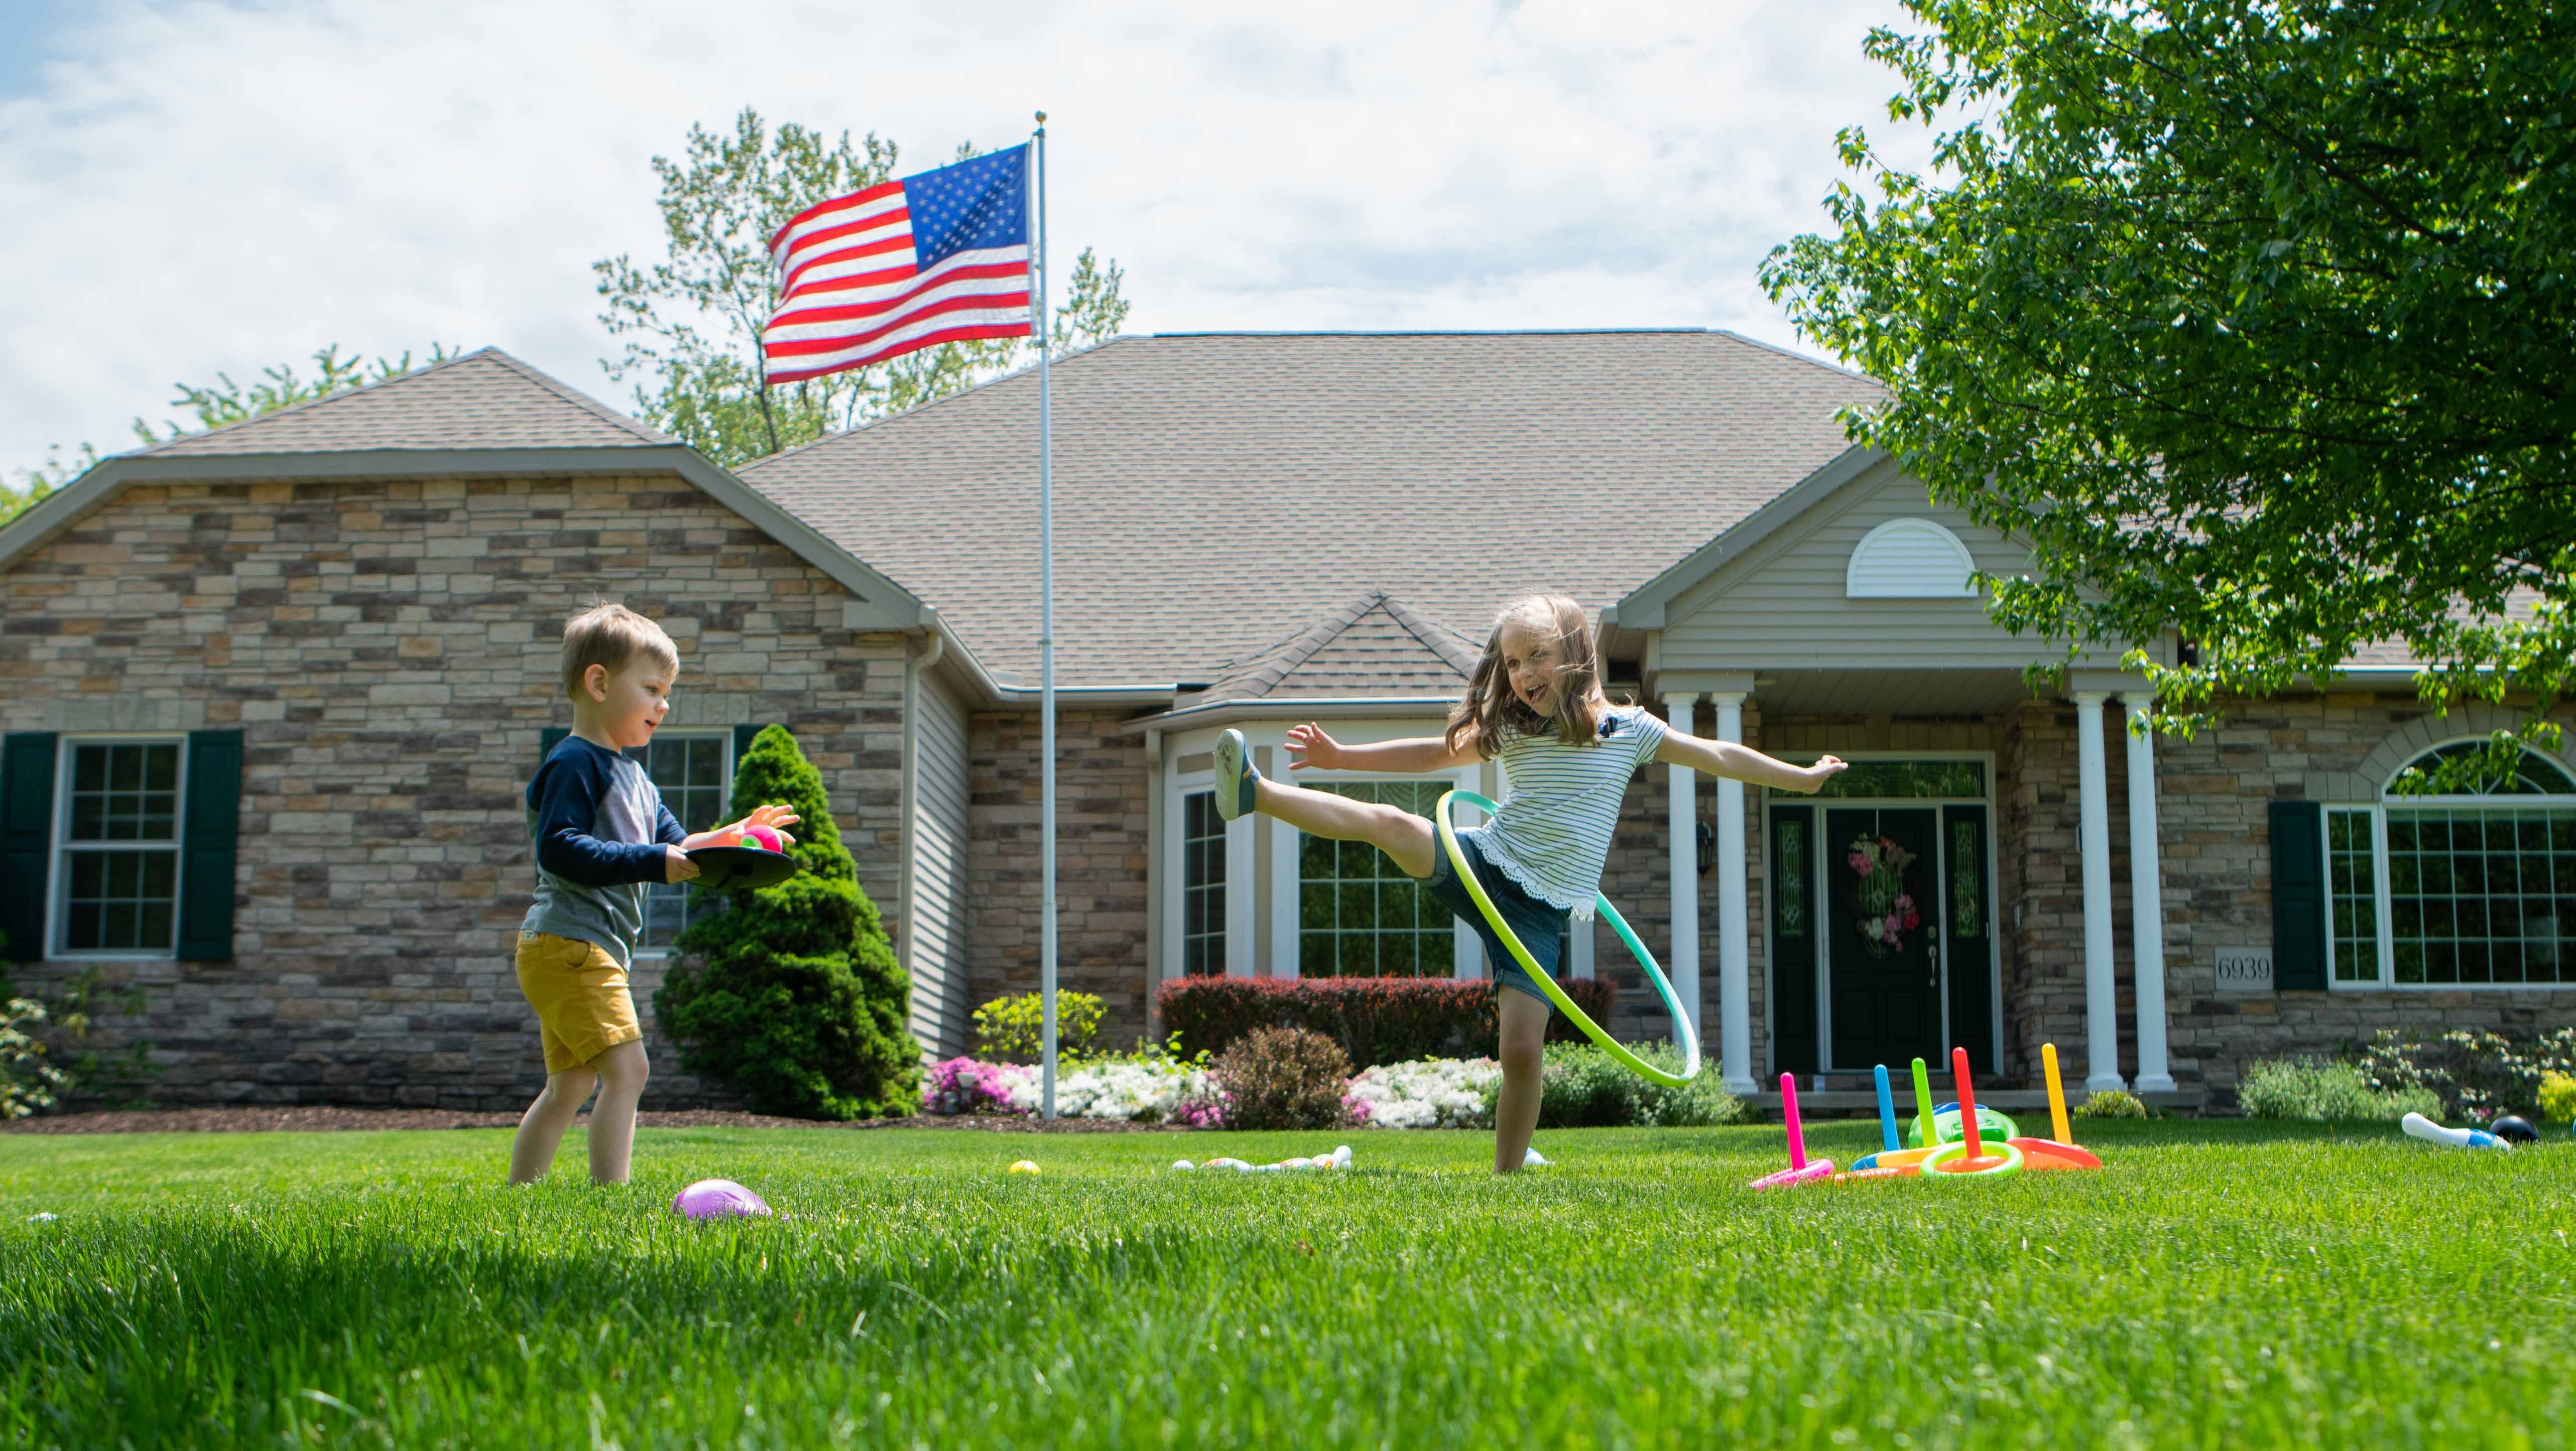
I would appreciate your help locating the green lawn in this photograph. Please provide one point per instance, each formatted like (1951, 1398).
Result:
(2217, 1286)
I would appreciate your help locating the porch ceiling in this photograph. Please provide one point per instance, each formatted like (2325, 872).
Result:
(1888, 692)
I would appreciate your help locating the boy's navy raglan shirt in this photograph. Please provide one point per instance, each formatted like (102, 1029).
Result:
(600, 828)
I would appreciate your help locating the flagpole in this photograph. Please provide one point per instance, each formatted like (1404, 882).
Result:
(1039, 323)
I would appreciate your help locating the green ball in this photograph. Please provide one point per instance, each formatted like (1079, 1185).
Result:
(1945, 1122)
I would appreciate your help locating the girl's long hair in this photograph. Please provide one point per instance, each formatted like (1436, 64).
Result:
(1492, 709)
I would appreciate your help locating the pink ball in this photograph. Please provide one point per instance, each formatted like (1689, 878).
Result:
(765, 838)
(716, 1198)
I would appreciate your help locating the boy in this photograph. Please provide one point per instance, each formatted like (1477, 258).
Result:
(602, 832)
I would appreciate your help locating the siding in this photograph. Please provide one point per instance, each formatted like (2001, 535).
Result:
(1782, 607)
(937, 932)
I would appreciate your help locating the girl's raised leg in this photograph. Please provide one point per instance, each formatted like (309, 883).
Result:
(1407, 838)
(1524, 1040)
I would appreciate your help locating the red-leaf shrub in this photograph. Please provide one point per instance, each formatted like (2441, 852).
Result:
(1283, 1078)
(1376, 1020)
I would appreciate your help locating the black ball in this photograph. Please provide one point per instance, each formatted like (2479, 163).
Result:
(2514, 1130)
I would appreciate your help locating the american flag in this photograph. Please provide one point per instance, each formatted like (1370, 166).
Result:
(934, 258)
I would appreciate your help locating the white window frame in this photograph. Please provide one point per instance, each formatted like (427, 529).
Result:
(1202, 784)
(726, 770)
(2384, 927)
(58, 900)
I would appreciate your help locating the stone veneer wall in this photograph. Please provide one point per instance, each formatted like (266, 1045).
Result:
(2212, 800)
(1101, 779)
(391, 651)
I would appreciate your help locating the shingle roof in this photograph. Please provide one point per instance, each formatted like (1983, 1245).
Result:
(1373, 644)
(1211, 490)
(484, 399)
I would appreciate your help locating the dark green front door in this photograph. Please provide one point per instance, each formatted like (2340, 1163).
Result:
(1884, 934)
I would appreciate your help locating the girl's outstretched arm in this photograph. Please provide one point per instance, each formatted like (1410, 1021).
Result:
(1743, 763)
(1308, 745)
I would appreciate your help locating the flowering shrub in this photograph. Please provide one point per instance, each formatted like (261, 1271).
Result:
(2477, 1074)
(1429, 1093)
(1374, 1019)
(1887, 910)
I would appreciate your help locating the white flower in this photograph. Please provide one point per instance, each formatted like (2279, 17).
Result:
(1426, 1093)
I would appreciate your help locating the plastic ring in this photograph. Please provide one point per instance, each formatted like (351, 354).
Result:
(1958, 1149)
(1654, 973)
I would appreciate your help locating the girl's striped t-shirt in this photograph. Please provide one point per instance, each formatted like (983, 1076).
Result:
(1561, 806)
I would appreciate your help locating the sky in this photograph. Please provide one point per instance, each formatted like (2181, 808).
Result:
(190, 187)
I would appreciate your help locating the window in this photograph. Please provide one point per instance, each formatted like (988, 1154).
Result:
(2471, 890)
(1909, 559)
(1202, 885)
(696, 779)
(1359, 915)
(119, 847)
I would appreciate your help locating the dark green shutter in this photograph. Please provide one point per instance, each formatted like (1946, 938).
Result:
(207, 843)
(2298, 897)
(552, 738)
(26, 840)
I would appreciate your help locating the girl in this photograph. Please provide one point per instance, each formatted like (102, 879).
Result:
(1534, 704)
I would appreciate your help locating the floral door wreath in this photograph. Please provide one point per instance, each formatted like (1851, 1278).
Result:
(1887, 910)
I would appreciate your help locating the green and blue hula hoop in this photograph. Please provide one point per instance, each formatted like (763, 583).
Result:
(1618, 1052)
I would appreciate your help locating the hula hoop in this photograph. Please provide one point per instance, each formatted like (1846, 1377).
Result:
(1546, 984)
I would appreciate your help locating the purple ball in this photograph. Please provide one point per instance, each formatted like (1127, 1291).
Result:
(715, 1198)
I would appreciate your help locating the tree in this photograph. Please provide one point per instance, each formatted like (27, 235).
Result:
(792, 994)
(2252, 320)
(214, 406)
(692, 321)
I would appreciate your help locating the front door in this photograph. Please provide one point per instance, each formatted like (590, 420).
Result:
(1884, 934)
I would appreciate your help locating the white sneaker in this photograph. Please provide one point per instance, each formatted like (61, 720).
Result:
(1234, 775)
(1533, 1159)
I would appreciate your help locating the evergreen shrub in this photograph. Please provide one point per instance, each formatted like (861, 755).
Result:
(1376, 1020)
(792, 995)
(1283, 1078)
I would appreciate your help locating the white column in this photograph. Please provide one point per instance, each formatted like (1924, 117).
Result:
(1682, 816)
(1284, 843)
(2101, 987)
(2146, 897)
(1242, 876)
(1734, 953)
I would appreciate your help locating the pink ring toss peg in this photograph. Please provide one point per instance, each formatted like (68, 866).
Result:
(1800, 1170)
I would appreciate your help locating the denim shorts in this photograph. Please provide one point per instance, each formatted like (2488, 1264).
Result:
(1540, 926)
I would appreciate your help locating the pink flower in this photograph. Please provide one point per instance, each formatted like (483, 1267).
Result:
(1859, 862)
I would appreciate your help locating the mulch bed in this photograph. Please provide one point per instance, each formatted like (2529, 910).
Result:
(331, 1120)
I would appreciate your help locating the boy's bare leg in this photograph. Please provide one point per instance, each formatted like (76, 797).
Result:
(541, 1128)
(622, 1071)
(1407, 838)
(1524, 1040)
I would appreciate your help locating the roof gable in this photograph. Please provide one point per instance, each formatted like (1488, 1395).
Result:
(484, 399)
(1373, 645)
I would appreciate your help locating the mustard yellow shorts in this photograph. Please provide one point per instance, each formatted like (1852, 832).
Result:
(580, 996)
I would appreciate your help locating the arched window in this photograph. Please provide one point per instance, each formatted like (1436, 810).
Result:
(1909, 559)
(2453, 888)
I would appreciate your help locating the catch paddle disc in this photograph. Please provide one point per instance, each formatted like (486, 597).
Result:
(740, 868)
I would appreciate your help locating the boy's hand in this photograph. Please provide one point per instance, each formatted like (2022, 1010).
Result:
(1309, 746)
(776, 818)
(676, 866)
(1825, 769)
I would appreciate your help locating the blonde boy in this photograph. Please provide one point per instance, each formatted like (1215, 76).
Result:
(602, 833)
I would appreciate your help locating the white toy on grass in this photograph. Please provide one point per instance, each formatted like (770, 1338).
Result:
(2418, 1126)
(1339, 1158)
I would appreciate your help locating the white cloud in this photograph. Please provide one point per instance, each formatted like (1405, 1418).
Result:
(200, 186)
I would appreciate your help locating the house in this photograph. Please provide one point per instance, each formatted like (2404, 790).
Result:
(308, 659)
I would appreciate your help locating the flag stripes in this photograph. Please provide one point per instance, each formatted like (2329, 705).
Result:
(938, 257)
